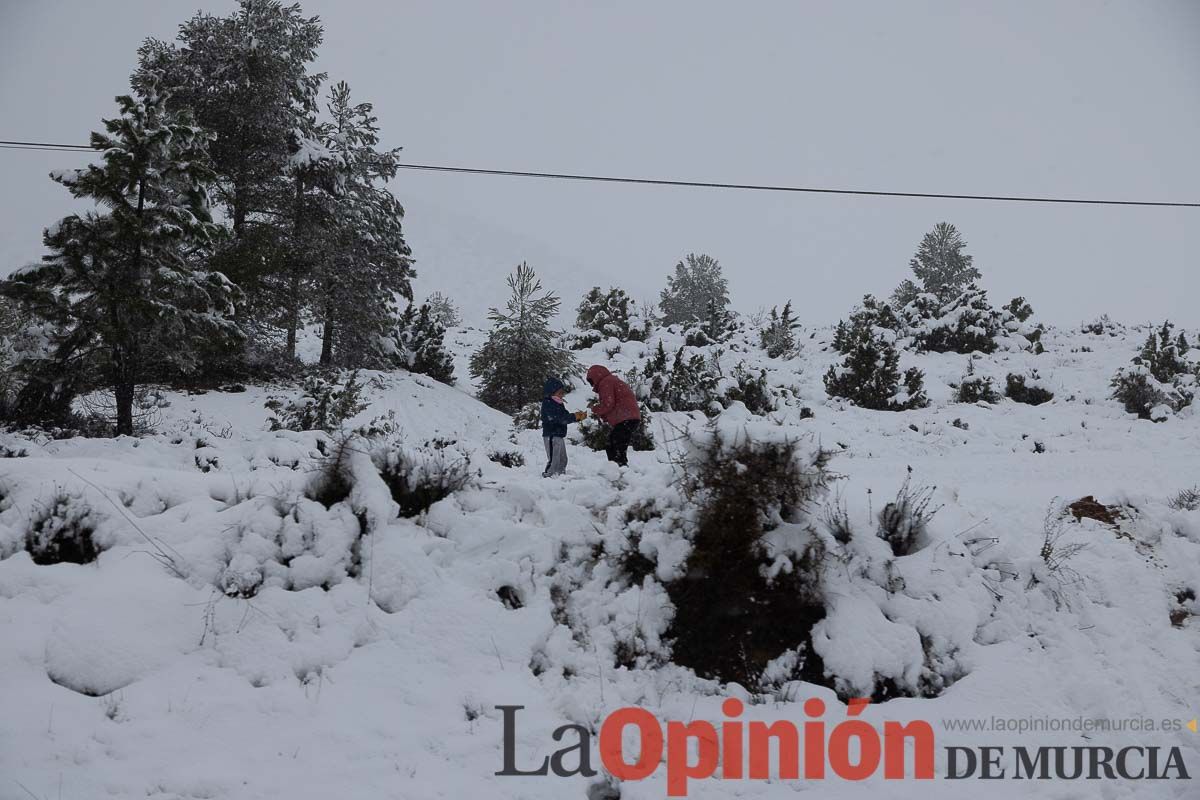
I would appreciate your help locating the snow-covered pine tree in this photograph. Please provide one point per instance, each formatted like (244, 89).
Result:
(871, 318)
(940, 266)
(697, 281)
(246, 78)
(691, 385)
(357, 284)
(1020, 309)
(869, 377)
(443, 311)
(520, 351)
(904, 294)
(715, 326)
(966, 323)
(608, 315)
(419, 342)
(12, 323)
(778, 336)
(1164, 354)
(126, 288)
(1161, 380)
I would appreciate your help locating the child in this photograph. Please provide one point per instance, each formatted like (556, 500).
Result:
(555, 419)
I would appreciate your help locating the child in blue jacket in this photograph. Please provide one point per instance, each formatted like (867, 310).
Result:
(555, 419)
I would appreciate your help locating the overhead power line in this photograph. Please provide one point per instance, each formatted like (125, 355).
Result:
(758, 187)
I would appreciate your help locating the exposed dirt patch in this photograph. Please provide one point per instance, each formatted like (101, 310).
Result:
(1091, 508)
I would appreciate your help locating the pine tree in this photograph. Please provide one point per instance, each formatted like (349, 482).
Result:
(1019, 308)
(778, 336)
(608, 315)
(905, 293)
(870, 319)
(691, 385)
(715, 325)
(443, 311)
(870, 377)
(940, 265)
(1160, 378)
(966, 323)
(357, 284)
(1164, 354)
(520, 352)
(246, 78)
(126, 287)
(12, 324)
(697, 283)
(419, 342)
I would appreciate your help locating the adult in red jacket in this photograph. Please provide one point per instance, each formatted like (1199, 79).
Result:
(617, 406)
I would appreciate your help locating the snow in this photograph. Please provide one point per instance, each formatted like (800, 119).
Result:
(370, 659)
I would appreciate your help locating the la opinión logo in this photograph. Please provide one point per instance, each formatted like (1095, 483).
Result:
(851, 749)
(739, 749)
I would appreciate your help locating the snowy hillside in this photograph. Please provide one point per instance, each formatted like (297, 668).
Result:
(249, 630)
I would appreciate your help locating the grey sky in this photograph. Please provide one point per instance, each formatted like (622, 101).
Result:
(1070, 98)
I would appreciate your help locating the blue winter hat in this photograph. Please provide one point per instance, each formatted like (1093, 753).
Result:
(552, 386)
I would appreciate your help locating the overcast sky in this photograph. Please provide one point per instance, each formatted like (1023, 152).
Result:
(1090, 99)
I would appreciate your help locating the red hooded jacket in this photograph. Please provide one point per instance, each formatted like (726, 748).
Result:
(617, 401)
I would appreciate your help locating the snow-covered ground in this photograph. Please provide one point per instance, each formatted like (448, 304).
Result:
(371, 663)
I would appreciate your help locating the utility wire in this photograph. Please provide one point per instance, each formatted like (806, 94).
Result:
(563, 176)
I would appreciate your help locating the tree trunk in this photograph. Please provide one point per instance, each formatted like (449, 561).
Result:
(124, 395)
(124, 376)
(239, 218)
(293, 323)
(293, 300)
(327, 339)
(125, 364)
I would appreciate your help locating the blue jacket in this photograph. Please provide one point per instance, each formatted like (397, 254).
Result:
(555, 417)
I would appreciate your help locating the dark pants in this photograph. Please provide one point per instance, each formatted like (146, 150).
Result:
(619, 439)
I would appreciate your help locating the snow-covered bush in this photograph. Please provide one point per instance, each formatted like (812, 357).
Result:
(869, 377)
(1053, 574)
(688, 384)
(63, 530)
(608, 315)
(594, 434)
(507, 458)
(323, 405)
(902, 522)
(1027, 388)
(1161, 380)
(965, 324)
(1019, 308)
(1186, 499)
(715, 326)
(332, 482)
(418, 477)
(746, 387)
(778, 334)
(417, 344)
(1102, 326)
(741, 601)
(528, 417)
(695, 382)
(872, 319)
(974, 388)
